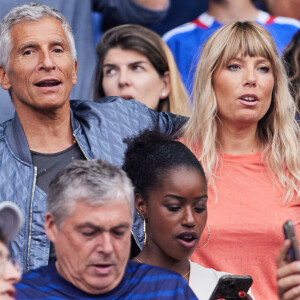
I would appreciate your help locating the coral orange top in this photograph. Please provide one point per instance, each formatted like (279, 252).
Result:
(246, 223)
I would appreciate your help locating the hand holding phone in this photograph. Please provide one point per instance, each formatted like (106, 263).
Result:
(289, 233)
(229, 286)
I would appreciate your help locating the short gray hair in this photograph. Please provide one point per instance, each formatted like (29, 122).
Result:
(93, 182)
(30, 12)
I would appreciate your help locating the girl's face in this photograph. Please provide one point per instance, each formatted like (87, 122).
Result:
(130, 75)
(176, 213)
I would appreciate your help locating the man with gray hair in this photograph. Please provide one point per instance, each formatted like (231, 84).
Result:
(80, 15)
(89, 216)
(38, 66)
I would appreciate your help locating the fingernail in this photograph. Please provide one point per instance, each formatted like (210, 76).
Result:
(242, 294)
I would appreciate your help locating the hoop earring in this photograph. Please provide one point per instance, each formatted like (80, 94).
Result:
(144, 229)
(208, 237)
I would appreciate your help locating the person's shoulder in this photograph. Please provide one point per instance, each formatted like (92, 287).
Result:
(287, 21)
(36, 274)
(106, 103)
(158, 282)
(3, 126)
(206, 272)
(111, 110)
(32, 281)
(266, 19)
(201, 23)
(151, 270)
(154, 273)
(203, 280)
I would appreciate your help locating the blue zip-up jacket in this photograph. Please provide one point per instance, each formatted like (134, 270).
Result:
(99, 129)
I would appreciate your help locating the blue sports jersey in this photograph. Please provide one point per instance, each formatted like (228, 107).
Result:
(186, 40)
(139, 282)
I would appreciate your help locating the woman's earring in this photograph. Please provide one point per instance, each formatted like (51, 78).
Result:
(144, 229)
(163, 94)
(208, 237)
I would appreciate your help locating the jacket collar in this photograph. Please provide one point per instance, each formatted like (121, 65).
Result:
(17, 139)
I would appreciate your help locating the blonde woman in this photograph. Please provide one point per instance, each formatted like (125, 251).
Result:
(243, 130)
(135, 63)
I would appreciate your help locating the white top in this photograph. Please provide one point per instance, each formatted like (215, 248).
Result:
(203, 280)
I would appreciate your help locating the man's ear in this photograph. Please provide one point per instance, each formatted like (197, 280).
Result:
(4, 80)
(50, 227)
(74, 73)
(140, 205)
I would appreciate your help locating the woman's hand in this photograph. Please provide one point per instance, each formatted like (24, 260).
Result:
(288, 275)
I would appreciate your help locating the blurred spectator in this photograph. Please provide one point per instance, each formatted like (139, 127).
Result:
(135, 63)
(11, 220)
(285, 8)
(186, 41)
(180, 12)
(79, 15)
(291, 59)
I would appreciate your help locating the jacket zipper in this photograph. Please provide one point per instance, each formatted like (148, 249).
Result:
(30, 217)
(80, 148)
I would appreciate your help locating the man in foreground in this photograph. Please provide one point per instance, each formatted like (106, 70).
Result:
(89, 217)
(38, 66)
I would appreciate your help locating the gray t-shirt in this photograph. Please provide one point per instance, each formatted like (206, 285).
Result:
(48, 165)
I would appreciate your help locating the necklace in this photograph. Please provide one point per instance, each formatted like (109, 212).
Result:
(186, 276)
(137, 260)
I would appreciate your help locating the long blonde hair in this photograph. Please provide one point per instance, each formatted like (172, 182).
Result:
(277, 130)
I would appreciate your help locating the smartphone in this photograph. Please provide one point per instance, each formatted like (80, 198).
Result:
(289, 233)
(229, 286)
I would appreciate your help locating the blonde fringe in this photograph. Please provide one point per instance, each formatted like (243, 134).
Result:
(281, 153)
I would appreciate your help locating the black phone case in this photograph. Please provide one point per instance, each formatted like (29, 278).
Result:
(229, 286)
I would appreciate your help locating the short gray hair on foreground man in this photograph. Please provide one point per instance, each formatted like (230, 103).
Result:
(29, 13)
(93, 182)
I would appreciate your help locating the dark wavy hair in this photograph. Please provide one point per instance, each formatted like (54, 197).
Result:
(152, 156)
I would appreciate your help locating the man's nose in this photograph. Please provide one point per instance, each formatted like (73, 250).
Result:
(105, 243)
(46, 61)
